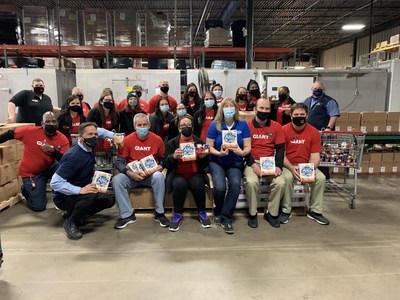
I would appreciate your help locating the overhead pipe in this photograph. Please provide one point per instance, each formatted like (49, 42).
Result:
(201, 20)
(191, 34)
(175, 24)
(249, 34)
(370, 25)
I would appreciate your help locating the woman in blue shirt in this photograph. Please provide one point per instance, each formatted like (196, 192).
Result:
(227, 162)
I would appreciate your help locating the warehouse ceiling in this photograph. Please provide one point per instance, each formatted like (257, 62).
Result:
(308, 25)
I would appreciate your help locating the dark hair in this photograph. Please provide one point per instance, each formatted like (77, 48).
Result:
(187, 116)
(82, 127)
(285, 88)
(215, 85)
(113, 111)
(159, 101)
(298, 106)
(185, 99)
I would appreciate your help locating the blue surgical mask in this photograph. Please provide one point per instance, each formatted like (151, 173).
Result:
(133, 102)
(181, 112)
(209, 103)
(218, 93)
(229, 112)
(142, 131)
(164, 108)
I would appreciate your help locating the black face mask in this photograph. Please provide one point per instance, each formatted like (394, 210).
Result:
(282, 97)
(255, 92)
(164, 89)
(38, 90)
(75, 108)
(299, 121)
(90, 142)
(108, 105)
(242, 96)
(187, 131)
(50, 130)
(139, 94)
(262, 115)
(192, 93)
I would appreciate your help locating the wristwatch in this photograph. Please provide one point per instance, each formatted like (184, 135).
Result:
(328, 127)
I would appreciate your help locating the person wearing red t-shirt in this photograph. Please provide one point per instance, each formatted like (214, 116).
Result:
(302, 145)
(267, 140)
(78, 92)
(71, 117)
(164, 88)
(138, 145)
(254, 91)
(217, 90)
(162, 120)
(43, 148)
(280, 109)
(191, 99)
(143, 105)
(204, 116)
(242, 100)
(186, 174)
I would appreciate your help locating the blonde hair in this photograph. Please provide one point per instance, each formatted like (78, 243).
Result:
(219, 117)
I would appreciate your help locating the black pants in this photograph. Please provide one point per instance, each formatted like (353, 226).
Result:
(84, 205)
(179, 188)
(325, 171)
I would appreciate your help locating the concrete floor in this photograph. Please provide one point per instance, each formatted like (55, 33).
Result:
(356, 257)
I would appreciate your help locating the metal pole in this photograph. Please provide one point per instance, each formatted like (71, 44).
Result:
(354, 58)
(175, 29)
(59, 34)
(249, 37)
(370, 25)
(5, 58)
(191, 34)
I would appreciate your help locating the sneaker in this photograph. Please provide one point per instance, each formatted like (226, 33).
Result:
(273, 221)
(176, 222)
(319, 218)
(162, 219)
(253, 221)
(72, 230)
(204, 220)
(217, 219)
(228, 228)
(284, 217)
(122, 223)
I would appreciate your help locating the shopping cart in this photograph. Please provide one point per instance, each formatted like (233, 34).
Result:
(343, 149)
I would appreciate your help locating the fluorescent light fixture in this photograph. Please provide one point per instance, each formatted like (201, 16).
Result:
(353, 26)
(299, 67)
(319, 68)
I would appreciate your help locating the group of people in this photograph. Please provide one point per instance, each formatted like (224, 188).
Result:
(286, 130)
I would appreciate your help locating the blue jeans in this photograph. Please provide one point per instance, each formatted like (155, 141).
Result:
(34, 188)
(121, 183)
(225, 205)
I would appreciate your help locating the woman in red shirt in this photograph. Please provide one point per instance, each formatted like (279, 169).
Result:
(242, 99)
(71, 117)
(191, 99)
(184, 173)
(105, 114)
(204, 117)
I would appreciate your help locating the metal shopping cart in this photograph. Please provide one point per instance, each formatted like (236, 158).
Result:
(343, 149)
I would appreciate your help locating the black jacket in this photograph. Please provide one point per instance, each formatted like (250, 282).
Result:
(156, 122)
(274, 110)
(126, 120)
(65, 123)
(94, 116)
(171, 163)
(198, 120)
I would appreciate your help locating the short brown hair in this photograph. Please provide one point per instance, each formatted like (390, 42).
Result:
(298, 106)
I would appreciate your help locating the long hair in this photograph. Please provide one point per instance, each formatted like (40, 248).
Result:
(158, 112)
(185, 99)
(237, 94)
(220, 113)
(113, 111)
(66, 112)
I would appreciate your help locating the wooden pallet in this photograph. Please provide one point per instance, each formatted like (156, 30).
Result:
(10, 202)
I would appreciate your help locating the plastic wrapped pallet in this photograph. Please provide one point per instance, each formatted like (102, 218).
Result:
(218, 37)
(68, 27)
(223, 64)
(157, 30)
(125, 28)
(36, 25)
(95, 27)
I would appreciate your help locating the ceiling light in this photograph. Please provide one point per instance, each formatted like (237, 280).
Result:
(353, 26)
(299, 67)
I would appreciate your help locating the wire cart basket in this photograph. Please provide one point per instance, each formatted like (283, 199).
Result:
(343, 149)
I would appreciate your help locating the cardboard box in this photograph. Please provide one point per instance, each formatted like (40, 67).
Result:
(386, 167)
(396, 167)
(5, 127)
(396, 156)
(387, 157)
(7, 154)
(353, 121)
(247, 115)
(10, 189)
(364, 167)
(380, 121)
(366, 157)
(8, 172)
(393, 121)
(374, 168)
(375, 157)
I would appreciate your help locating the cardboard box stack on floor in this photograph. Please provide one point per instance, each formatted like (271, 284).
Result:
(368, 121)
(10, 156)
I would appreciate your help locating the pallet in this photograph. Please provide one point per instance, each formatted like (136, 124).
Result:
(10, 202)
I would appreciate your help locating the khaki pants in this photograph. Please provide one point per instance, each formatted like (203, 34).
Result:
(317, 192)
(252, 187)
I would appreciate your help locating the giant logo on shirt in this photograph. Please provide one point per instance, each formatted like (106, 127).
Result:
(296, 140)
(142, 148)
(262, 136)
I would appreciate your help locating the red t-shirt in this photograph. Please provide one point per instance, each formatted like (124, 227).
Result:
(300, 144)
(165, 128)
(108, 124)
(34, 159)
(264, 139)
(206, 124)
(154, 100)
(279, 113)
(75, 124)
(192, 103)
(85, 109)
(142, 104)
(242, 107)
(135, 148)
(253, 99)
(187, 169)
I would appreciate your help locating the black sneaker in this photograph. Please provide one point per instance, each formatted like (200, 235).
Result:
(253, 221)
(284, 217)
(273, 221)
(319, 218)
(122, 223)
(72, 230)
(204, 219)
(162, 219)
(228, 228)
(217, 219)
(176, 222)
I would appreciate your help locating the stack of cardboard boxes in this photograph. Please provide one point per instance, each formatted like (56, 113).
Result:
(10, 156)
(369, 122)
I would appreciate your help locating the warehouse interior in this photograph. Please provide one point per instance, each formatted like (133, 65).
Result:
(117, 44)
